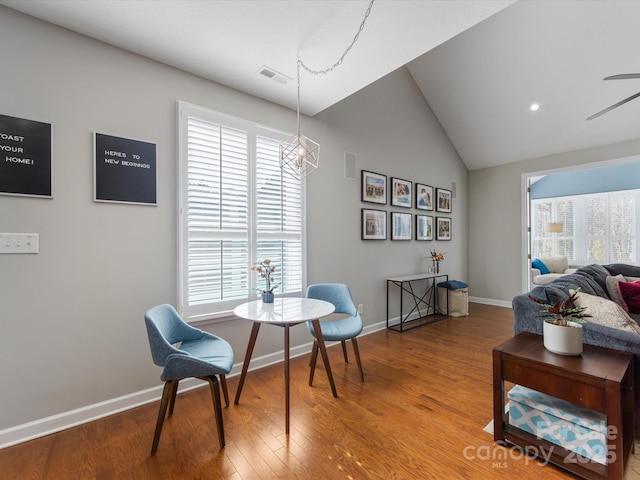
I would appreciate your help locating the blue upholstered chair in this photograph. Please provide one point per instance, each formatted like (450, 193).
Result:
(340, 330)
(185, 351)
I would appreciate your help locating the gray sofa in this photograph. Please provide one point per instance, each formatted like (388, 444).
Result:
(592, 280)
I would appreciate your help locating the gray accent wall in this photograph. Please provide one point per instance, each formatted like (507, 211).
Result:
(71, 317)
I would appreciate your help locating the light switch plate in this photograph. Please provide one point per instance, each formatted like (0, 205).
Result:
(19, 242)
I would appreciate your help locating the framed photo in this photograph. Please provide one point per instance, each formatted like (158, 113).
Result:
(424, 227)
(400, 192)
(443, 228)
(443, 200)
(374, 224)
(424, 197)
(400, 226)
(374, 188)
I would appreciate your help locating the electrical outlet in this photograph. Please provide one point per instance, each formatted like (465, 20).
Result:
(361, 309)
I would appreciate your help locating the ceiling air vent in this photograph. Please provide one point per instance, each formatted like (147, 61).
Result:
(273, 75)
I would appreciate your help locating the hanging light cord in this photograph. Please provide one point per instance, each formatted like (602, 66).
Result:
(298, 101)
(341, 59)
(294, 166)
(334, 66)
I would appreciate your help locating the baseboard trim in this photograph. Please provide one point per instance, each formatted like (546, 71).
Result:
(62, 421)
(489, 301)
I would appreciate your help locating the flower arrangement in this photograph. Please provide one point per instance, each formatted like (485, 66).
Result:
(563, 311)
(265, 270)
(437, 257)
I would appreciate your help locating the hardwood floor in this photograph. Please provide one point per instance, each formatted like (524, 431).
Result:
(419, 414)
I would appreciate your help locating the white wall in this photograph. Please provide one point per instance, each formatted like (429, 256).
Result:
(71, 317)
(496, 260)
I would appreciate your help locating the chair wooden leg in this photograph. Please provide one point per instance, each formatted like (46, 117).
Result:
(344, 351)
(225, 392)
(357, 352)
(174, 392)
(162, 412)
(217, 406)
(312, 361)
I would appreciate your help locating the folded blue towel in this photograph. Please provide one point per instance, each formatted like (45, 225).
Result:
(453, 285)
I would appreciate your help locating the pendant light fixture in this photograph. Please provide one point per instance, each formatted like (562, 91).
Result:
(299, 155)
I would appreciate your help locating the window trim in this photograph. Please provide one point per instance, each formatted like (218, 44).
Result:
(184, 109)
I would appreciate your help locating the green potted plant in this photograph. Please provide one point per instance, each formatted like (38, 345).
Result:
(562, 331)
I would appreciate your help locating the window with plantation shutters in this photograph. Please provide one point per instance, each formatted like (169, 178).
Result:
(597, 228)
(236, 209)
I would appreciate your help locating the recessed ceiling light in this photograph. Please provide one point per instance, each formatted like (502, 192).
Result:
(534, 107)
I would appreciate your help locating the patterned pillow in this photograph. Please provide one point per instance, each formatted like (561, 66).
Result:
(613, 288)
(605, 312)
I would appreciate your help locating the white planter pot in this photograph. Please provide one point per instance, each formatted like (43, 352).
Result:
(563, 340)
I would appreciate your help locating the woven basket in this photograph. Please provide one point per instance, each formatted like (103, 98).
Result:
(458, 302)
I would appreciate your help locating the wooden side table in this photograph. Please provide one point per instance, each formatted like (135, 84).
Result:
(600, 379)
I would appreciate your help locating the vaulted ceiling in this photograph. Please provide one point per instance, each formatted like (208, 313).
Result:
(479, 63)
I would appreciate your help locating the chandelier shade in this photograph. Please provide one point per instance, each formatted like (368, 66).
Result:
(299, 156)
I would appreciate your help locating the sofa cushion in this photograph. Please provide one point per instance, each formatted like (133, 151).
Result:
(556, 264)
(539, 264)
(613, 289)
(546, 278)
(606, 312)
(631, 293)
(625, 269)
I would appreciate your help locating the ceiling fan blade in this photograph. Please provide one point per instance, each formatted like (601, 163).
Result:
(615, 105)
(623, 76)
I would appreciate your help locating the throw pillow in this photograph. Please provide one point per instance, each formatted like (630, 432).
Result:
(613, 288)
(631, 293)
(537, 263)
(606, 312)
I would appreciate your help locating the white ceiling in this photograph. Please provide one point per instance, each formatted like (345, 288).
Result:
(479, 82)
(555, 53)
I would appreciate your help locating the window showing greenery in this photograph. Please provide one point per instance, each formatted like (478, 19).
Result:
(236, 209)
(596, 228)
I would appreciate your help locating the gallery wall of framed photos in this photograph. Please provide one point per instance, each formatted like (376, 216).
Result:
(401, 225)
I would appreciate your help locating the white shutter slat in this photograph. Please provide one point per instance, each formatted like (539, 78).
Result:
(217, 202)
(598, 228)
(222, 175)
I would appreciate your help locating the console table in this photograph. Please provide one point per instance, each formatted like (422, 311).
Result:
(600, 379)
(425, 308)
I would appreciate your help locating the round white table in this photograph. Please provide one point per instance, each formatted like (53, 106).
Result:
(285, 312)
